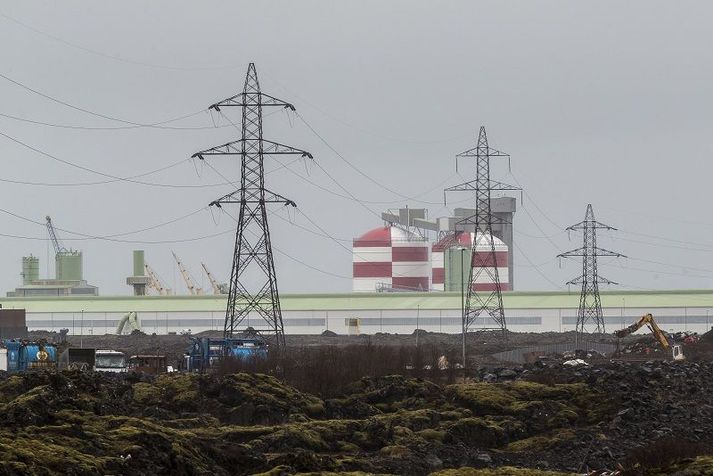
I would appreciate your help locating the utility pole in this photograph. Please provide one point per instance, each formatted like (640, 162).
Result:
(484, 264)
(253, 281)
(589, 316)
(462, 308)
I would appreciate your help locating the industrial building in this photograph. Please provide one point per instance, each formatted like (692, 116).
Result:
(394, 257)
(365, 313)
(68, 281)
(69, 273)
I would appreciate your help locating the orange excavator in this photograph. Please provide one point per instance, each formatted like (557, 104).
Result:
(648, 320)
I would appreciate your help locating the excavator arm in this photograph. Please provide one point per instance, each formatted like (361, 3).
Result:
(646, 320)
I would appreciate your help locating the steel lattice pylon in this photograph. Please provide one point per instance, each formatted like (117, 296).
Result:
(589, 315)
(484, 264)
(253, 247)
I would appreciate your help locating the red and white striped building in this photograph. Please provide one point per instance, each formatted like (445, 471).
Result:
(390, 257)
(483, 255)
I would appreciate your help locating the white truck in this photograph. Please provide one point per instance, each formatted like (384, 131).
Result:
(109, 361)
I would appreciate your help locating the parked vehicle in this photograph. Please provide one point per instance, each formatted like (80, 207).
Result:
(21, 355)
(109, 361)
(77, 359)
(149, 364)
(205, 352)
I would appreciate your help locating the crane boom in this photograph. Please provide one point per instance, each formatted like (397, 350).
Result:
(58, 247)
(213, 282)
(192, 288)
(155, 283)
(646, 320)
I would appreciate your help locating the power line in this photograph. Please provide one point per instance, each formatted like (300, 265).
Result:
(323, 233)
(272, 213)
(355, 168)
(113, 57)
(158, 125)
(655, 271)
(109, 237)
(96, 172)
(115, 128)
(537, 268)
(104, 128)
(529, 197)
(365, 131)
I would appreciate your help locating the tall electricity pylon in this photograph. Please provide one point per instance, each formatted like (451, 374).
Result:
(589, 316)
(484, 263)
(253, 281)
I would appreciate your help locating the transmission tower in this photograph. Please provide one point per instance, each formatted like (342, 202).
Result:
(589, 316)
(253, 281)
(484, 264)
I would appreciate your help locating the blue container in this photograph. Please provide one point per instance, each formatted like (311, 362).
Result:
(13, 355)
(36, 356)
(247, 349)
(205, 352)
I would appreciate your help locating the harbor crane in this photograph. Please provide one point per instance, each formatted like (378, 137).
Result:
(218, 288)
(155, 283)
(190, 284)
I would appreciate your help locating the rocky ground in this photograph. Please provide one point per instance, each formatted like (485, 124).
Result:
(543, 418)
(367, 405)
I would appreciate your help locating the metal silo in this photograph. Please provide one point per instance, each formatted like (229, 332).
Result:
(30, 269)
(447, 262)
(68, 266)
(389, 258)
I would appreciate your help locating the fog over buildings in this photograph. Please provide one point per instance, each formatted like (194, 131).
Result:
(606, 103)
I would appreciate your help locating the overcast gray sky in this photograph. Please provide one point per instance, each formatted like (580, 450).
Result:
(603, 102)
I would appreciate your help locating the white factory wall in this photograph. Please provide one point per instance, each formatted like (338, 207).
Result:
(370, 321)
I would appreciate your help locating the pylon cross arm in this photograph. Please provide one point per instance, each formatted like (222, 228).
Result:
(252, 99)
(239, 147)
(478, 152)
(236, 197)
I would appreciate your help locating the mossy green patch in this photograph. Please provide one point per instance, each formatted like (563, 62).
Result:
(502, 471)
(541, 442)
(146, 393)
(395, 451)
(432, 435)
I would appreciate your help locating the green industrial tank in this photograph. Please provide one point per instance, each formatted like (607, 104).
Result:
(30, 269)
(457, 273)
(139, 263)
(68, 266)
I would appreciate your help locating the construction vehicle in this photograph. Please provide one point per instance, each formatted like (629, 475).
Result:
(659, 335)
(21, 355)
(205, 352)
(218, 288)
(155, 283)
(187, 278)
